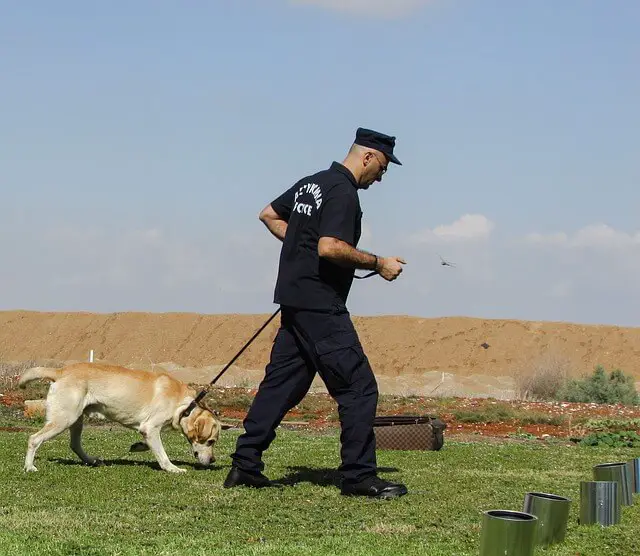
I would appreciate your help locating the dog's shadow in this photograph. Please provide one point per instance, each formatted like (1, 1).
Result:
(130, 462)
(318, 476)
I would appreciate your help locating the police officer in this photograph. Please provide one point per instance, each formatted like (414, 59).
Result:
(318, 221)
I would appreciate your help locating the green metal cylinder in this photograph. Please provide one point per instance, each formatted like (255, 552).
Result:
(552, 512)
(619, 472)
(508, 533)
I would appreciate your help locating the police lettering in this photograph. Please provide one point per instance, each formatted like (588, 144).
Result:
(312, 188)
(302, 208)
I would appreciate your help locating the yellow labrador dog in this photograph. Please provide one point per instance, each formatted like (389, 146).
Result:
(141, 400)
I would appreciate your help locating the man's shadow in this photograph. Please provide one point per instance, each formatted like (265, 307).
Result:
(318, 476)
(130, 462)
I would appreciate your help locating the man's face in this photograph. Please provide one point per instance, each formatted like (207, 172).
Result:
(375, 165)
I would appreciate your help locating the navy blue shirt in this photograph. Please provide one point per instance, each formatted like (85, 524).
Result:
(323, 204)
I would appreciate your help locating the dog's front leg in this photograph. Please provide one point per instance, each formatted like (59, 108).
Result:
(153, 440)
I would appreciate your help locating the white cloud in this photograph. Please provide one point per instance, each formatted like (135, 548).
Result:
(375, 8)
(591, 236)
(469, 227)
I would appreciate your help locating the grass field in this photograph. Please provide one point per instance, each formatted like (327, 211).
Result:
(130, 507)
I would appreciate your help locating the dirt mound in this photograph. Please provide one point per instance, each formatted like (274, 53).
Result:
(453, 356)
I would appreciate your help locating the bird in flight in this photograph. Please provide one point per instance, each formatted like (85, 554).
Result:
(446, 263)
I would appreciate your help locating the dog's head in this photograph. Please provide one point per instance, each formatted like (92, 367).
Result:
(202, 429)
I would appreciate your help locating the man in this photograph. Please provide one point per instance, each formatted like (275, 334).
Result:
(319, 222)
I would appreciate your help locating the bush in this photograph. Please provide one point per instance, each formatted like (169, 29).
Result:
(491, 414)
(623, 439)
(10, 372)
(601, 388)
(544, 380)
(612, 425)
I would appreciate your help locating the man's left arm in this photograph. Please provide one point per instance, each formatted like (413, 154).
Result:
(275, 216)
(276, 224)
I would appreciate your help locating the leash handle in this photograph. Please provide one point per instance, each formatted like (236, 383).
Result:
(366, 275)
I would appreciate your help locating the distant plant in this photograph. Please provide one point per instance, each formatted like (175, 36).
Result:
(600, 387)
(543, 380)
(491, 414)
(10, 371)
(611, 425)
(522, 435)
(622, 439)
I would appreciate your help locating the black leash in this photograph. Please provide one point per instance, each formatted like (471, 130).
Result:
(205, 391)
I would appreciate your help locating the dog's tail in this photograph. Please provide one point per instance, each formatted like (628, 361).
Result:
(37, 373)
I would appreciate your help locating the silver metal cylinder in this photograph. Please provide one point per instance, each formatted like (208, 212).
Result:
(508, 533)
(599, 503)
(619, 472)
(552, 512)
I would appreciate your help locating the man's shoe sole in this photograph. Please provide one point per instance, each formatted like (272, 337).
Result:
(384, 495)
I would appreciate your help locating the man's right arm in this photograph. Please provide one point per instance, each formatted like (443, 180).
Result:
(344, 254)
(274, 222)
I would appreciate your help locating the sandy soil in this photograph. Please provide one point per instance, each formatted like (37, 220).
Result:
(409, 355)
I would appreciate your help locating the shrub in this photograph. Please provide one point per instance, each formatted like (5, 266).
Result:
(611, 425)
(623, 439)
(544, 380)
(613, 388)
(491, 414)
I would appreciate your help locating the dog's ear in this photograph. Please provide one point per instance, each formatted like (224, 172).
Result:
(198, 427)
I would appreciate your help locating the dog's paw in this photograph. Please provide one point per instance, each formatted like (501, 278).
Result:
(30, 468)
(175, 469)
(139, 447)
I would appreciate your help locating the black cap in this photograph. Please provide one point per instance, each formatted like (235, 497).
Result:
(379, 141)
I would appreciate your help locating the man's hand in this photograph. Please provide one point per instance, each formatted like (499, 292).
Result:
(341, 253)
(390, 267)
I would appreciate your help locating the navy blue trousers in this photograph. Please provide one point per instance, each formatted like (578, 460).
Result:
(309, 342)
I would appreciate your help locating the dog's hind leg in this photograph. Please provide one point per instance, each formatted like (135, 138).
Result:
(76, 444)
(153, 440)
(49, 431)
(64, 407)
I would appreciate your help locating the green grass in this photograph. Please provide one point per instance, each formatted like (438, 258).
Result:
(130, 507)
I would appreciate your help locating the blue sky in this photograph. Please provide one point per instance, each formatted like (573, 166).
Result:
(139, 141)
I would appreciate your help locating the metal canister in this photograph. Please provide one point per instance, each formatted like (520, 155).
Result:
(599, 503)
(508, 533)
(552, 512)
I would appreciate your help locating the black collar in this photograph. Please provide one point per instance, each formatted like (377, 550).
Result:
(337, 167)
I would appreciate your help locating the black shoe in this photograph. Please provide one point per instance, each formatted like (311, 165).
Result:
(374, 487)
(238, 477)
